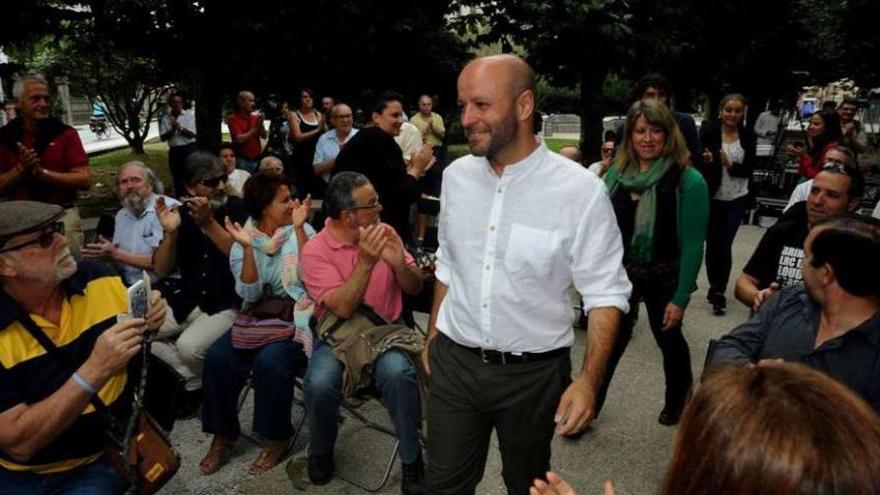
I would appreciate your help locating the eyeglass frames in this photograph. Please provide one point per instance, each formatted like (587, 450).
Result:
(214, 181)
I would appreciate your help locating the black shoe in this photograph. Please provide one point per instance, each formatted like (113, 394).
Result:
(321, 468)
(719, 306)
(669, 416)
(188, 404)
(412, 480)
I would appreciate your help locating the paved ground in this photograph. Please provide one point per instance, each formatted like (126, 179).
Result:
(626, 444)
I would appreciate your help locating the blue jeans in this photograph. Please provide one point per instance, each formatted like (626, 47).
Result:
(395, 377)
(725, 217)
(97, 478)
(274, 368)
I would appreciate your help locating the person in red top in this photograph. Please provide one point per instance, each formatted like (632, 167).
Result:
(823, 134)
(246, 129)
(41, 158)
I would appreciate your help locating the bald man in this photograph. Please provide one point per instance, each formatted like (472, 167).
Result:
(519, 225)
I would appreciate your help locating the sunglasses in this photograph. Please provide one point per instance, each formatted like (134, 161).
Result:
(214, 181)
(45, 240)
(840, 168)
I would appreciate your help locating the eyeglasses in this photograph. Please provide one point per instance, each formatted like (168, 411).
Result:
(214, 181)
(45, 240)
(343, 117)
(369, 206)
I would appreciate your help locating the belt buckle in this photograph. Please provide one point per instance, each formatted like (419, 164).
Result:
(483, 356)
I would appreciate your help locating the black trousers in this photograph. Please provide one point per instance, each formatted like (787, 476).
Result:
(656, 294)
(725, 217)
(468, 398)
(177, 165)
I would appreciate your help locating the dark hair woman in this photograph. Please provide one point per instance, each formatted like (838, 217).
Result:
(306, 126)
(662, 207)
(727, 163)
(264, 258)
(823, 133)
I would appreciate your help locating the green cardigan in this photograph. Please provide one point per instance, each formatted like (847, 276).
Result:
(693, 220)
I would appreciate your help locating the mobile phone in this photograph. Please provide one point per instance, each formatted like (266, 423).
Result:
(139, 298)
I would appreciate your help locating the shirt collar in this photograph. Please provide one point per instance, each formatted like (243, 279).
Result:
(870, 329)
(524, 165)
(331, 240)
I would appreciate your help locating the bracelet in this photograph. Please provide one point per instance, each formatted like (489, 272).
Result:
(83, 384)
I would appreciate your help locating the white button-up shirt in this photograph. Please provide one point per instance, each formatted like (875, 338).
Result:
(139, 235)
(512, 246)
(187, 120)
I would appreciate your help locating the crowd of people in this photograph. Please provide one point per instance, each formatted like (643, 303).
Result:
(297, 268)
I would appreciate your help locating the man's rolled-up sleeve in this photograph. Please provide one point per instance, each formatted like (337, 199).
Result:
(597, 258)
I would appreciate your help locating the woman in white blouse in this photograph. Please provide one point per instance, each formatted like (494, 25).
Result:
(728, 160)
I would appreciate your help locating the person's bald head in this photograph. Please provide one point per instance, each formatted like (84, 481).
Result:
(511, 71)
(497, 99)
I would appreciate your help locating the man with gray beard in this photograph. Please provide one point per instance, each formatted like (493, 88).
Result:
(50, 436)
(138, 231)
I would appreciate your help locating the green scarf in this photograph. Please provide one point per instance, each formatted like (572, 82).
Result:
(645, 183)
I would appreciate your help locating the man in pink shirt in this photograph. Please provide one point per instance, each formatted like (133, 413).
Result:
(356, 260)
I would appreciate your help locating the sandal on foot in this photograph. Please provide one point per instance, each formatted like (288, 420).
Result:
(269, 457)
(216, 456)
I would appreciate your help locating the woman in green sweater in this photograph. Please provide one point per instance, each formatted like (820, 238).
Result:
(662, 208)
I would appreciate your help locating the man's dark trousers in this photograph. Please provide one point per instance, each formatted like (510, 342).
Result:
(468, 398)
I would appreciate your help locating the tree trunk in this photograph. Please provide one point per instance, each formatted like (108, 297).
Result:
(209, 112)
(592, 104)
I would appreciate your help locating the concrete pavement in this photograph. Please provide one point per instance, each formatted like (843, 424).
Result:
(626, 444)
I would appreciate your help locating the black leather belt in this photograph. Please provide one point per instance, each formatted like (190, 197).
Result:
(498, 357)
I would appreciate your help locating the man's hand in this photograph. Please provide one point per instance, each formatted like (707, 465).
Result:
(238, 233)
(575, 411)
(301, 211)
(168, 217)
(103, 250)
(765, 295)
(371, 242)
(30, 160)
(175, 124)
(115, 347)
(556, 486)
(199, 209)
(393, 251)
(156, 314)
(672, 316)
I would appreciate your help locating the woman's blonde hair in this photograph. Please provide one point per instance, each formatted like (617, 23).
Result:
(658, 114)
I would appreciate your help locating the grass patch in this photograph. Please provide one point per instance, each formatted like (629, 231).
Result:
(104, 168)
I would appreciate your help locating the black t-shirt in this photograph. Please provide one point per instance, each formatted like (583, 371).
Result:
(780, 253)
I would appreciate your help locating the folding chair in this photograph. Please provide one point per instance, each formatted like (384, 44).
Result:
(351, 412)
(297, 427)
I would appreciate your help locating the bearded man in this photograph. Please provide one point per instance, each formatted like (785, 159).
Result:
(138, 231)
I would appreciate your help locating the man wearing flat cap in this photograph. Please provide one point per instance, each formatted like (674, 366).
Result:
(194, 241)
(50, 435)
(41, 158)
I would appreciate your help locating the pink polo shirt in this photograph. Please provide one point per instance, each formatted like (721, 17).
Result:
(327, 263)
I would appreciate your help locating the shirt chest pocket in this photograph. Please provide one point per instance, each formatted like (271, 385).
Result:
(530, 251)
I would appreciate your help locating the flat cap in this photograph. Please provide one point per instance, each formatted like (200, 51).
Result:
(21, 217)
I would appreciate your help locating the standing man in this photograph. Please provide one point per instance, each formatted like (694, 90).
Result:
(41, 158)
(431, 126)
(854, 135)
(246, 129)
(179, 129)
(327, 105)
(501, 325)
(767, 125)
(332, 141)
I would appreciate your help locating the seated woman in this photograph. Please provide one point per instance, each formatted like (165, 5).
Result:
(265, 257)
(662, 208)
(770, 429)
(823, 134)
